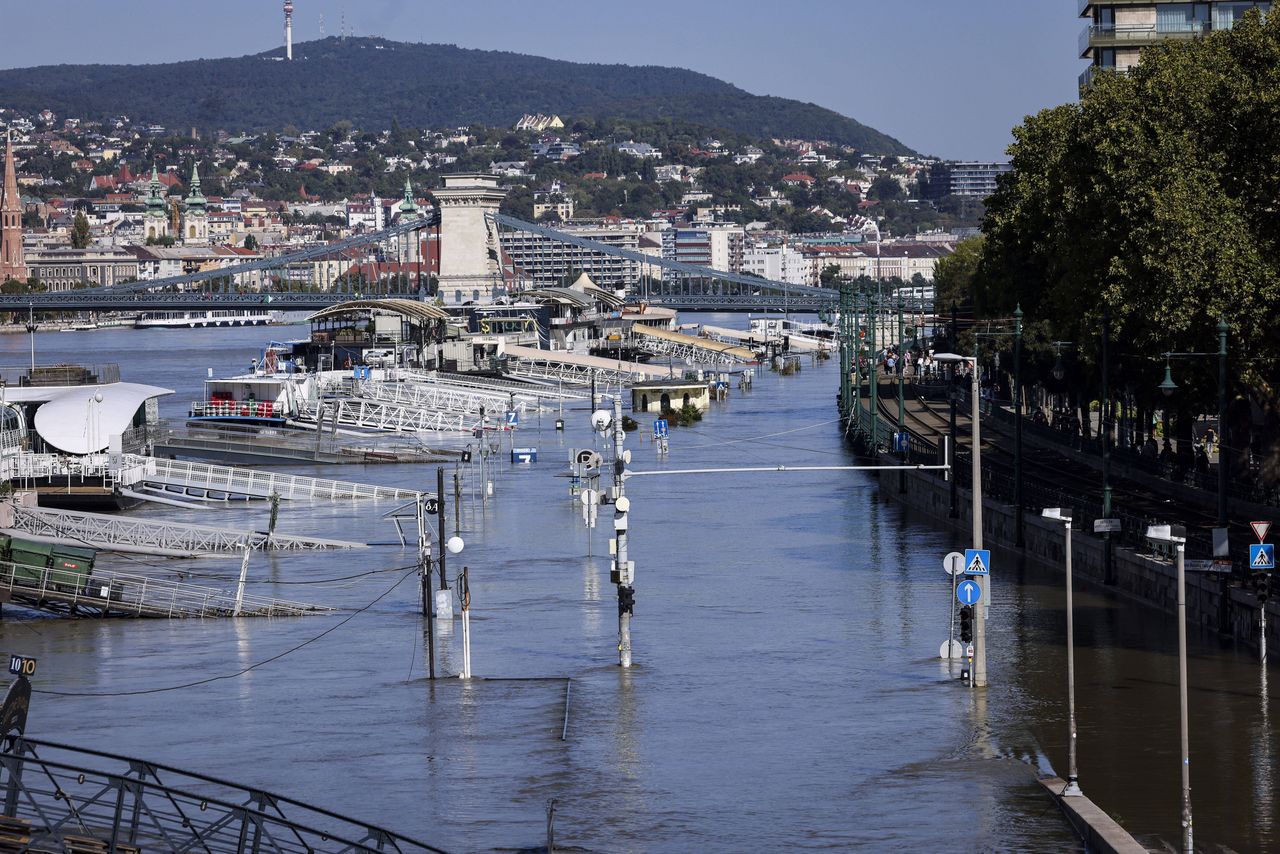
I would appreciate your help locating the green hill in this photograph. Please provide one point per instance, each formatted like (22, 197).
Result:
(372, 82)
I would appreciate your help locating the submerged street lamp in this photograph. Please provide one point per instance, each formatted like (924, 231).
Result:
(1168, 387)
(1073, 782)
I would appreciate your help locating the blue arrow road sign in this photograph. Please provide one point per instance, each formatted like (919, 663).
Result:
(968, 592)
(660, 427)
(977, 562)
(1262, 556)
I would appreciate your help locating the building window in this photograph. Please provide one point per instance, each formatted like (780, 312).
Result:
(1227, 15)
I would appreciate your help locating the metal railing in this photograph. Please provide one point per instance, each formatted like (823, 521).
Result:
(62, 791)
(251, 482)
(119, 594)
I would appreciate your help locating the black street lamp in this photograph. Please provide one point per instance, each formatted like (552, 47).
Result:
(1017, 423)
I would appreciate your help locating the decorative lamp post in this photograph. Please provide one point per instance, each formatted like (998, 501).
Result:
(1073, 784)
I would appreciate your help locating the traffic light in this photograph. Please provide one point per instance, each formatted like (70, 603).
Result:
(966, 623)
(1262, 586)
(626, 600)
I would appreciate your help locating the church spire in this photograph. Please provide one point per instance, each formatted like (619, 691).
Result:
(155, 198)
(409, 207)
(12, 265)
(195, 199)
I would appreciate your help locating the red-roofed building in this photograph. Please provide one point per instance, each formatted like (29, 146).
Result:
(799, 179)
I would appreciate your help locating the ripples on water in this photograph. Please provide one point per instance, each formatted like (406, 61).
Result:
(787, 693)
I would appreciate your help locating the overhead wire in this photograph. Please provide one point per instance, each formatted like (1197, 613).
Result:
(242, 671)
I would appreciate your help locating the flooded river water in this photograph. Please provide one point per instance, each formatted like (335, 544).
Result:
(786, 694)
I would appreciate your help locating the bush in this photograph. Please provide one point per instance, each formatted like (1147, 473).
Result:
(629, 424)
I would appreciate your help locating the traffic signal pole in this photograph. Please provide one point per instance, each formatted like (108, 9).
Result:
(626, 592)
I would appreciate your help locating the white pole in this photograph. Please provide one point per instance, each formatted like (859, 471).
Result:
(1187, 844)
(1262, 619)
(620, 530)
(464, 594)
(1073, 784)
(244, 573)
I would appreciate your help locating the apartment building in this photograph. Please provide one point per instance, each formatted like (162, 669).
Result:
(64, 269)
(718, 247)
(531, 260)
(955, 178)
(1118, 30)
(780, 264)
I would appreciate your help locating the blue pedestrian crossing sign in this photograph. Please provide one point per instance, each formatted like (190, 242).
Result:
(968, 592)
(660, 428)
(1262, 556)
(977, 562)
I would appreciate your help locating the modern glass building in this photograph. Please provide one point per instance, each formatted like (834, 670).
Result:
(1118, 30)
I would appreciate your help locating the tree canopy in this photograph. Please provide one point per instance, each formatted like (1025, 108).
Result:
(1156, 197)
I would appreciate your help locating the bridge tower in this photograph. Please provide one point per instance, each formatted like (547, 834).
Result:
(156, 223)
(195, 221)
(469, 251)
(411, 254)
(12, 264)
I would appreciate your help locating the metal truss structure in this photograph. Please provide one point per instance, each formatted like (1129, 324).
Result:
(552, 369)
(61, 797)
(385, 417)
(249, 284)
(119, 594)
(251, 483)
(122, 533)
(671, 283)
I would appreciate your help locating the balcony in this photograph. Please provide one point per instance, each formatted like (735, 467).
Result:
(1085, 7)
(1111, 36)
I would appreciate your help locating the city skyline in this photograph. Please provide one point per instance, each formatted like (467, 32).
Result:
(883, 70)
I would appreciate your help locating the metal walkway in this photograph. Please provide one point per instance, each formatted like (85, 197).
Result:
(387, 417)
(117, 594)
(688, 347)
(56, 794)
(205, 480)
(123, 533)
(438, 398)
(576, 369)
(529, 391)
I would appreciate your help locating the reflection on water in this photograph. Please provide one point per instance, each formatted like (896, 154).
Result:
(787, 692)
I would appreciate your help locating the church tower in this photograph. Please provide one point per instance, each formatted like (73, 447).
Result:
(195, 222)
(156, 222)
(12, 265)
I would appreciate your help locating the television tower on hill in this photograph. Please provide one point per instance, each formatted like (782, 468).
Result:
(288, 29)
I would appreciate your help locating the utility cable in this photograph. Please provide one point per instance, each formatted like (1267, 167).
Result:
(238, 673)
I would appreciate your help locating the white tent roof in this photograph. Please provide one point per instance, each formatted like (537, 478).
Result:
(75, 422)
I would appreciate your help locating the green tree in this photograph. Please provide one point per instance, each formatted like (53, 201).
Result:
(80, 231)
(954, 275)
(250, 242)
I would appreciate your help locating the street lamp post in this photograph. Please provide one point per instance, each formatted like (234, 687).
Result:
(1017, 425)
(902, 371)
(1104, 415)
(873, 318)
(954, 508)
(1073, 780)
(1166, 534)
(979, 616)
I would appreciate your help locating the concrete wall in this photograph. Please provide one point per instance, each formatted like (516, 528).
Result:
(1139, 577)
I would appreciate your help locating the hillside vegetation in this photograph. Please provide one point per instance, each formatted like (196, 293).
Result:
(373, 82)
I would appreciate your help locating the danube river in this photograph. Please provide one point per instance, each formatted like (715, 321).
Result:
(786, 693)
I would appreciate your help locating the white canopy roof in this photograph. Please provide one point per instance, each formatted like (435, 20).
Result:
(75, 422)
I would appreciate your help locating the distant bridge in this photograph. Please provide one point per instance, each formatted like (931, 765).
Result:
(307, 279)
(374, 265)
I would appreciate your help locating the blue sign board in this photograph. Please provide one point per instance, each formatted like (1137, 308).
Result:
(977, 562)
(513, 418)
(968, 592)
(900, 440)
(660, 428)
(1262, 556)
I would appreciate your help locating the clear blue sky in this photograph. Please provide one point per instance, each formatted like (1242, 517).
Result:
(947, 77)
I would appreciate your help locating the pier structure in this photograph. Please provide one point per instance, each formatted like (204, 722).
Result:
(383, 416)
(118, 594)
(530, 392)
(689, 348)
(64, 798)
(126, 534)
(576, 368)
(442, 398)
